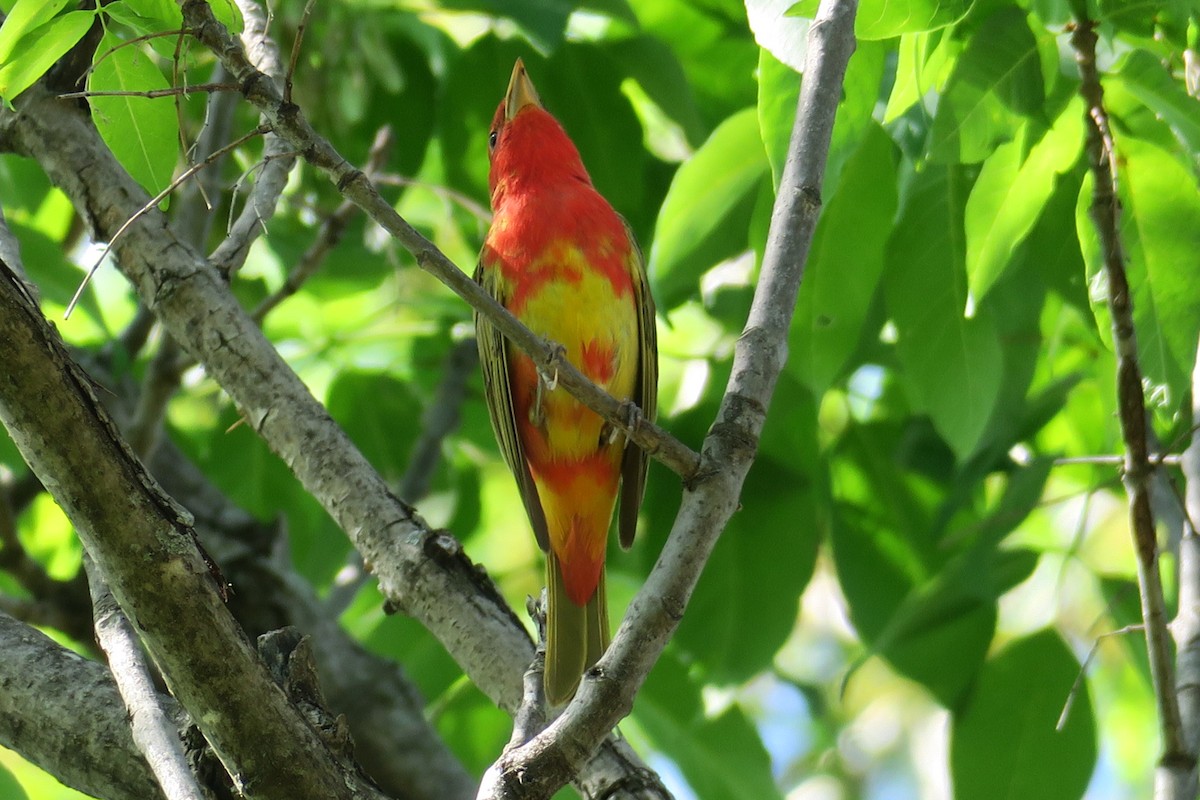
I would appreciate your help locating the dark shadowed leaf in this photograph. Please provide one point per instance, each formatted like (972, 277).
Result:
(1003, 743)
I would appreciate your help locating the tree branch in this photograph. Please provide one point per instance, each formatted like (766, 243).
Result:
(278, 157)
(1187, 624)
(144, 545)
(1178, 761)
(606, 693)
(154, 732)
(63, 713)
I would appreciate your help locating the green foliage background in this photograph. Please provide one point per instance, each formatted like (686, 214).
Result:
(900, 606)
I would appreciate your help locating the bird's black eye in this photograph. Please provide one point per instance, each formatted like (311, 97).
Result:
(492, 137)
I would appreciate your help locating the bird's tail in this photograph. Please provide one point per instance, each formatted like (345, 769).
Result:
(576, 636)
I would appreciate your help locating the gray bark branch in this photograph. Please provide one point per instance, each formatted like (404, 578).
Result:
(144, 544)
(42, 684)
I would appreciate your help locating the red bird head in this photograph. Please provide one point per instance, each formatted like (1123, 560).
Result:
(528, 149)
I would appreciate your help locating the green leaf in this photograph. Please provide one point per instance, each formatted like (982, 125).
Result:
(923, 63)
(713, 44)
(1147, 79)
(722, 757)
(778, 94)
(1010, 193)
(783, 35)
(657, 70)
(25, 16)
(141, 132)
(703, 217)
(1161, 212)
(951, 363)
(146, 16)
(37, 51)
(844, 265)
(1161, 230)
(1003, 743)
(380, 414)
(10, 787)
(924, 602)
(934, 631)
(884, 19)
(996, 82)
(766, 557)
(542, 21)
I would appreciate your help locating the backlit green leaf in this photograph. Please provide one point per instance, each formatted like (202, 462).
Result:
(996, 82)
(703, 217)
(142, 132)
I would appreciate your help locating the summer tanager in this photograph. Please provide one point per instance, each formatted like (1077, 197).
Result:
(564, 263)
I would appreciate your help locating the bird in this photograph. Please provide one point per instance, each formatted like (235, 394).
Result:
(565, 263)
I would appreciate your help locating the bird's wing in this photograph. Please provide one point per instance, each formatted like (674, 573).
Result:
(645, 394)
(494, 360)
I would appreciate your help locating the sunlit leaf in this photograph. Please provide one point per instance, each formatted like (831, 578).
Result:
(35, 52)
(25, 16)
(9, 787)
(142, 132)
(996, 81)
(1010, 193)
(703, 217)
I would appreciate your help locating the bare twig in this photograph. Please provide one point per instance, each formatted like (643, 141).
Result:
(1069, 703)
(291, 70)
(605, 696)
(1154, 459)
(1178, 760)
(130, 43)
(154, 732)
(154, 93)
(475, 209)
(154, 201)
(278, 156)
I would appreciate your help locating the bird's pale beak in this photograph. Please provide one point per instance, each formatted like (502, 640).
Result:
(520, 92)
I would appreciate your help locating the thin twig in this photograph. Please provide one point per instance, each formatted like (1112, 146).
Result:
(154, 201)
(291, 70)
(478, 211)
(1105, 213)
(154, 733)
(155, 93)
(1154, 459)
(1071, 695)
(129, 43)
